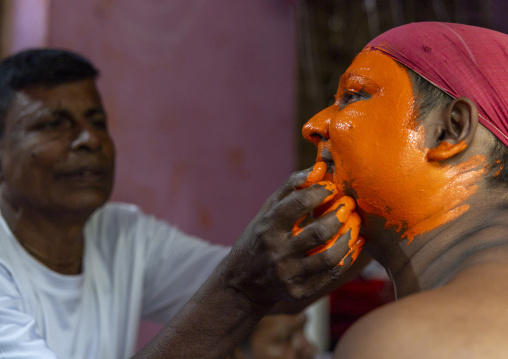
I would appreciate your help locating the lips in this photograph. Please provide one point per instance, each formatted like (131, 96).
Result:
(85, 174)
(326, 157)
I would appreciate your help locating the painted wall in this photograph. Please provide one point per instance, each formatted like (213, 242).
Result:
(200, 96)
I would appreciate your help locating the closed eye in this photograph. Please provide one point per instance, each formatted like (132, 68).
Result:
(97, 118)
(99, 122)
(55, 123)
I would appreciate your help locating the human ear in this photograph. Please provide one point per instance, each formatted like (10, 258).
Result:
(457, 127)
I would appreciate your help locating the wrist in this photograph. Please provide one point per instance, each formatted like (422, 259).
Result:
(249, 287)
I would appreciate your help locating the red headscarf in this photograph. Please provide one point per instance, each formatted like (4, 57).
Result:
(461, 60)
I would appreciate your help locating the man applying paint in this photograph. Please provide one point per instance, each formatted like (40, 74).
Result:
(423, 153)
(78, 273)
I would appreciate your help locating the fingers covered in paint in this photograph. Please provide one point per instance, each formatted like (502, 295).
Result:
(346, 230)
(270, 262)
(298, 204)
(343, 207)
(297, 180)
(351, 222)
(317, 174)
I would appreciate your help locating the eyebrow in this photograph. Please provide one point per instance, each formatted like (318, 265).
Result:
(90, 112)
(61, 113)
(357, 77)
(95, 110)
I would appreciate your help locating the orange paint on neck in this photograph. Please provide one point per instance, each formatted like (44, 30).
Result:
(379, 153)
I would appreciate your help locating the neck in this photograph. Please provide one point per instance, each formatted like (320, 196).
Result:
(434, 258)
(54, 240)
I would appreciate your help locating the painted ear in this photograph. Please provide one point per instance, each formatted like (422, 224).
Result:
(458, 123)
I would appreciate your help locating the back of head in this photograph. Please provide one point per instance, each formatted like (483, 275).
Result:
(39, 67)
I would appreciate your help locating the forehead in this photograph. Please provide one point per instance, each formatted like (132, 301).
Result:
(374, 71)
(74, 97)
(67, 94)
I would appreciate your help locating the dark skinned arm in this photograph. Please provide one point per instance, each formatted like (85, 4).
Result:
(267, 265)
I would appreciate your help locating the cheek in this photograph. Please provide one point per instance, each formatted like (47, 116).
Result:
(391, 177)
(370, 143)
(34, 158)
(382, 159)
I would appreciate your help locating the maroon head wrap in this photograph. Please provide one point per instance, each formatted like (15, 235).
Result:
(461, 60)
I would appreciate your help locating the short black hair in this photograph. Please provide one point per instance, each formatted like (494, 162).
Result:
(428, 97)
(39, 67)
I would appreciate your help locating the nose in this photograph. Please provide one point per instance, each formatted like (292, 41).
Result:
(87, 138)
(316, 129)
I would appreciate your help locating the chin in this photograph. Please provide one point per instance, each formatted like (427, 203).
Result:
(85, 203)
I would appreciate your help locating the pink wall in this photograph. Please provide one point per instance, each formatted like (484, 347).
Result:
(200, 96)
(28, 24)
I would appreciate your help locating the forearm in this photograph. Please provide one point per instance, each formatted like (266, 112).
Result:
(268, 264)
(210, 325)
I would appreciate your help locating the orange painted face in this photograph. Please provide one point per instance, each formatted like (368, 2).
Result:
(378, 151)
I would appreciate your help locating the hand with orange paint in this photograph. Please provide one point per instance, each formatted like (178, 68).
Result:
(344, 209)
(277, 260)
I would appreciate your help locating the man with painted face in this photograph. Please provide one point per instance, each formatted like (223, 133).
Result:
(417, 136)
(77, 273)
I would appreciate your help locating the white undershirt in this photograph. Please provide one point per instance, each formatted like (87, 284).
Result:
(134, 266)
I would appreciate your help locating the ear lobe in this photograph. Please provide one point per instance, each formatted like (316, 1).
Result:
(459, 123)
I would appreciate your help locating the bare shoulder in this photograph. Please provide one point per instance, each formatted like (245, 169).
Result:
(467, 318)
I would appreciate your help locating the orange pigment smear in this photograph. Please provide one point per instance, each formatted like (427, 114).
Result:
(379, 150)
(344, 207)
(354, 250)
(345, 215)
(317, 174)
(498, 172)
(445, 150)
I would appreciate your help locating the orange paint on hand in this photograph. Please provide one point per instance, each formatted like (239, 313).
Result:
(378, 148)
(344, 206)
(317, 174)
(330, 187)
(351, 222)
(354, 251)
